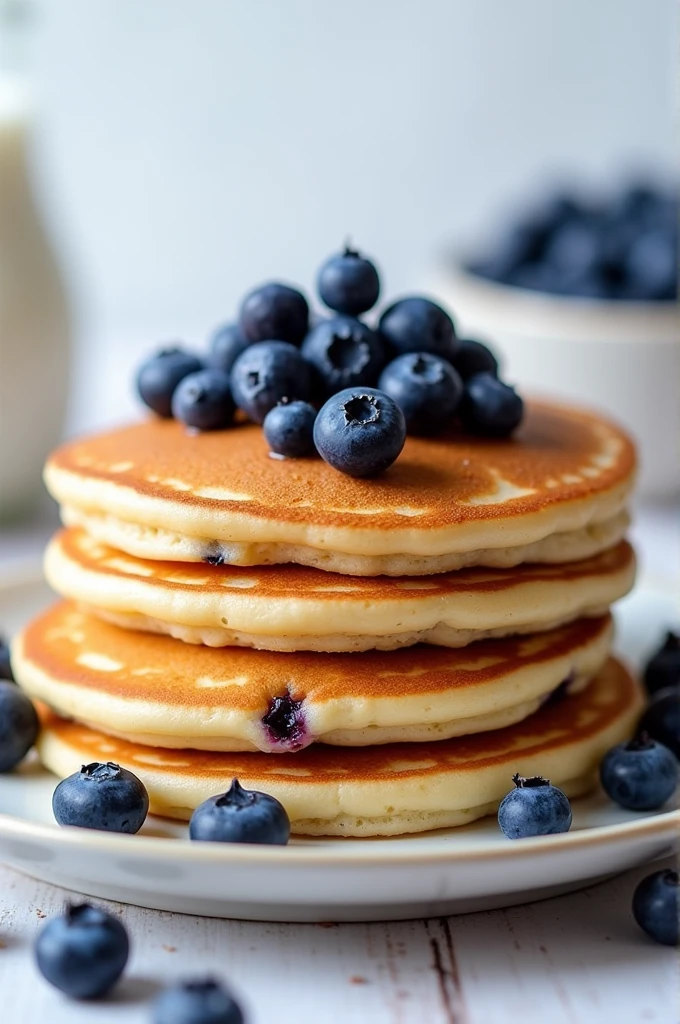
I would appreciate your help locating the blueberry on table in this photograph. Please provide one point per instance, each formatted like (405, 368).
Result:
(534, 808)
(489, 407)
(345, 353)
(426, 388)
(348, 283)
(158, 377)
(472, 357)
(19, 726)
(639, 775)
(82, 952)
(203, 400)
(289, 429)
(102, 796)
(241, 816)
(225, 345)
(197, 1002)
(360, 431)
(661, 720)
(266, 373)
(656, 907)
(5, 663)
(416, 324)
(274, 311)
(663, 668)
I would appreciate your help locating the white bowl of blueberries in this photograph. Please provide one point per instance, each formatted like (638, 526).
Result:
(581, 300)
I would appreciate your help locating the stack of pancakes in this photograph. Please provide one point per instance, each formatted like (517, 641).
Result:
(381, 655)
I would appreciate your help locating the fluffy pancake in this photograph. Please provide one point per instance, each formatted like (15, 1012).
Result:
(555, 492)
(156, 690)
(384, 790)
(299, 608)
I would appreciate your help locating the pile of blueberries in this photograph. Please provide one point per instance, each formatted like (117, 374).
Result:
(625, 249)
(336, 386)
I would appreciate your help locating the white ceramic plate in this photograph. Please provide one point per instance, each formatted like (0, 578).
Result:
(444, 872)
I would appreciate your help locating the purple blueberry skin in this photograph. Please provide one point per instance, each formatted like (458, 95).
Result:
(102, 796)
(661, 720)
(348, 283)
(274, 310)
(265, 374)
(656, 907)
(416, 324)
(226, 345)
(534, 811)
(82, 952)
(663, 668)
(158, 377)
(344, 353)
(240, 816)
(489, 407)
(197, 1002)
(360, 432)
(203, 401)
(472, 357)
(426, 388)
(640, 775)
(19, 725)
(289, 429)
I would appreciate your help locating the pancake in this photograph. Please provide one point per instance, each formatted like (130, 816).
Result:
(384, 790)
(555, 492)
(155, 690)
(299, 608)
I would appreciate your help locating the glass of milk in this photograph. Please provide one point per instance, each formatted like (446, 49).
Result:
(34, 320)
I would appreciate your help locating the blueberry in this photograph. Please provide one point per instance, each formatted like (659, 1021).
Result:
(518, 246)
(197, 1002)
(640, 775)
(349, 283)
(289, 429)
(533, 808)
(360, 431)
(274, 311)
(18, 726)
(240, 816)
(656, 907)
(416, 324)
(661, 720)
(426, 388)
(663, 668)
(266, 373)
(345, 353)
(490, 407)
(82, 952)
(158, 377)
(101, 796)
(203, 400)
(5, 663)
(575, 249)
(651, 266)
(472, 357)
(225, 345)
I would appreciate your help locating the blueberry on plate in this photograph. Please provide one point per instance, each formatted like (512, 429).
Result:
(661, 720)
(240, 816)
(345, 353)
(83, 952)
(158, 377)
(348, 283)
(489, 407)
(225, 345)
(19, 726)
(426, 388)
(663, 668)
(472, 357)
(289, 429)
(639, 775)
(266, 373)
(656, 907)
(534, 808)
(360, 431)
(5, 663)
(274, 311)
(416, 324)
(197, 1002)
(101, 796)
(203, 400)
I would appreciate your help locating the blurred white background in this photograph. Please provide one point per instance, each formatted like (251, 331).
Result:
(186, 151)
